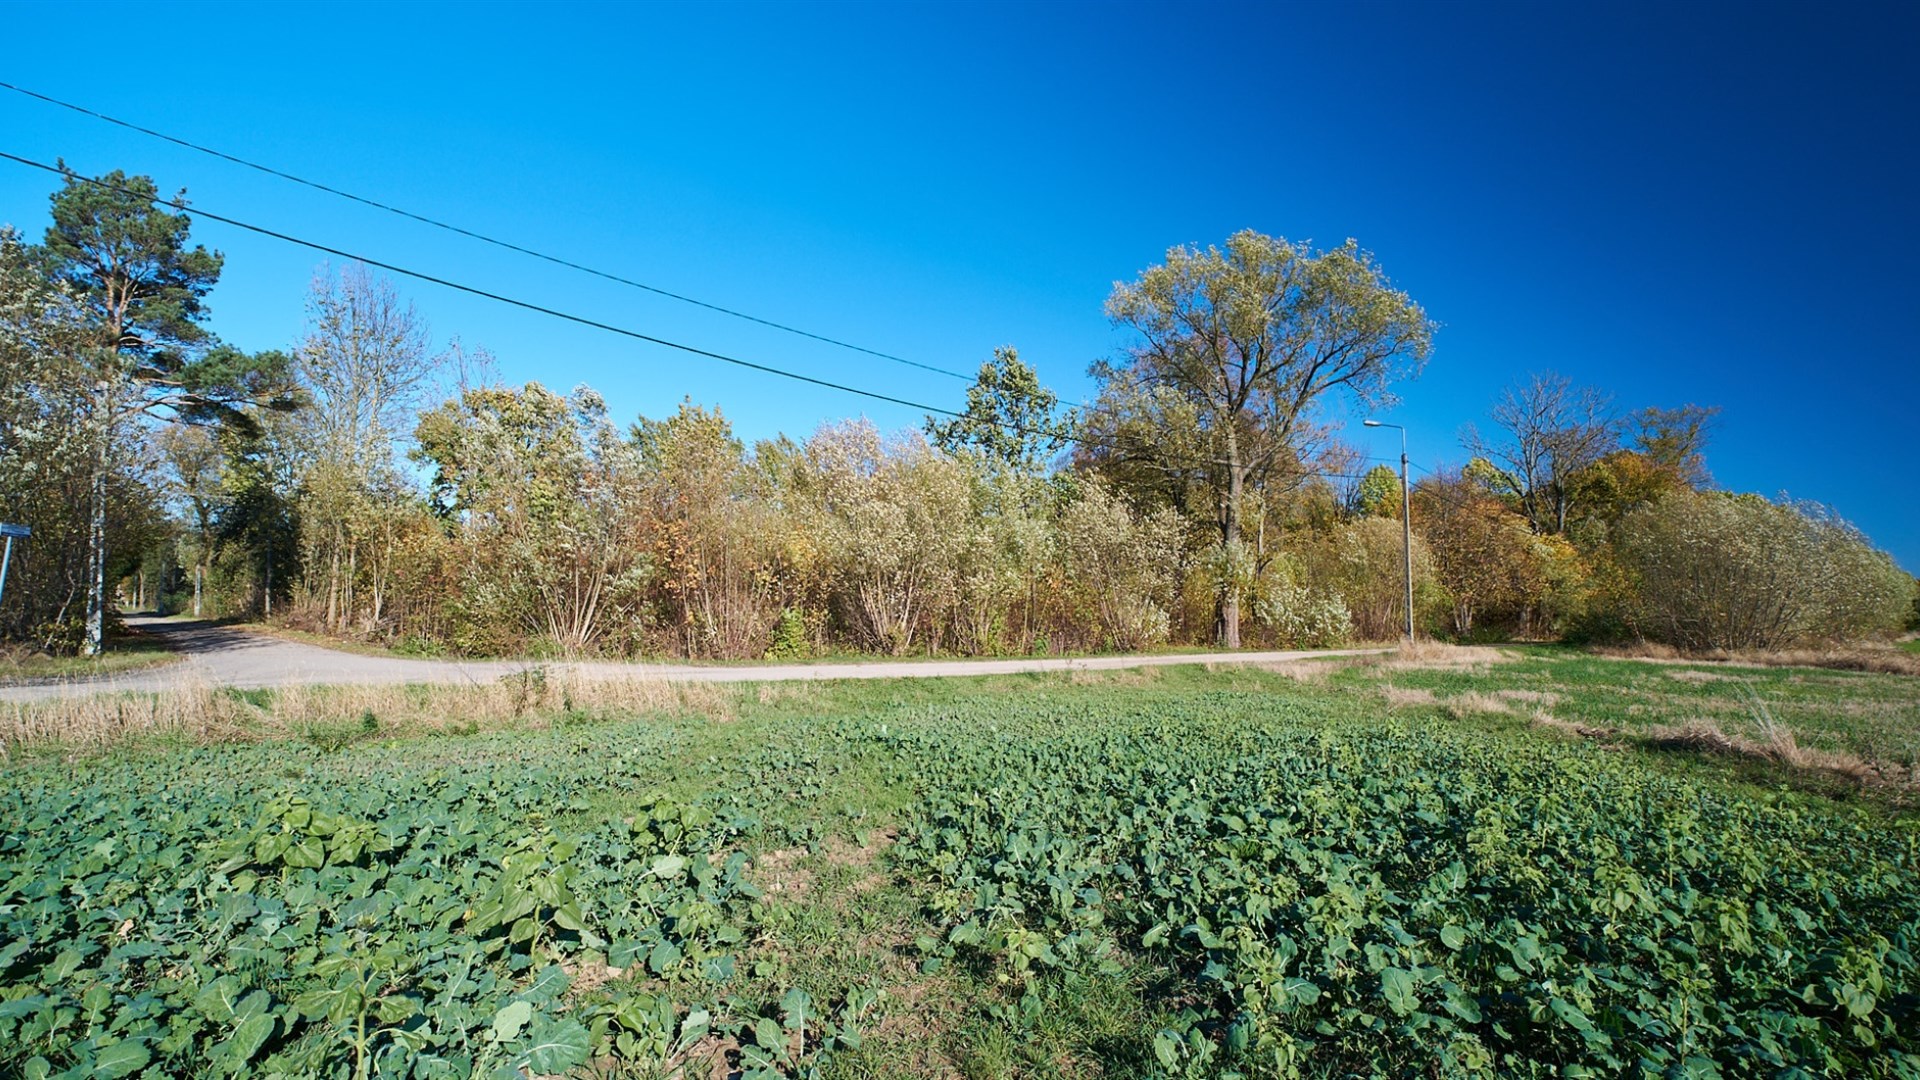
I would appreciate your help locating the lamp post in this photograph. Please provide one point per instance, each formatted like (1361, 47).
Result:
(1406, 520)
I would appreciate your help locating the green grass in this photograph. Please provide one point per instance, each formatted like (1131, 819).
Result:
(127, 650)
(883, 816)
(1911, 646)
(1874, 718)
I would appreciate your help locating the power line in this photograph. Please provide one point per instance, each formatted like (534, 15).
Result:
(609, 327)
(482, 237)
(475, 291)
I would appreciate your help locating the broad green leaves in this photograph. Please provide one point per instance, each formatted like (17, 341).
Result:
(1314, 893)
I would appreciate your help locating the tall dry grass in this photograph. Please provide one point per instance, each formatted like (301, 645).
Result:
(1874, 659)
(199, 712)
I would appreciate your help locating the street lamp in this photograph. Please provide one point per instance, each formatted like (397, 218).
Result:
(1406, 519)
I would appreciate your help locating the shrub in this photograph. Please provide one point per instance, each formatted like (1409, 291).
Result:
(1717, 571)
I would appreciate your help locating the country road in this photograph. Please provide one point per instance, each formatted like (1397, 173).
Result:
(244, 659)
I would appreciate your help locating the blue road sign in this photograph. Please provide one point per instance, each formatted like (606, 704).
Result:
(15, 530)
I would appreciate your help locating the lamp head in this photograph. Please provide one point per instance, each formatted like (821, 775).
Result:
(1370, 423)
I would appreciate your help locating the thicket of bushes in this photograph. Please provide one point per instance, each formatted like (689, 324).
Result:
(1201, 497)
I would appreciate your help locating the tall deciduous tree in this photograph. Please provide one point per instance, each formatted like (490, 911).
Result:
(1552, 432)
(366, 363)
(1234, 350)
(118, 250)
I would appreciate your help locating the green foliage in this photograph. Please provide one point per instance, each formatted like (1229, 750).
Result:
(1298, 615)
(1357, 899)
(129, 263)
(1010, 420)
(1240, 876)
(1212, 407)
(1378, 493)
(1721, 571)
(351, 915)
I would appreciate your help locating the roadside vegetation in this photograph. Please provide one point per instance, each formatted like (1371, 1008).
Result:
(1473, 861)
(126, 650)
(372, 484)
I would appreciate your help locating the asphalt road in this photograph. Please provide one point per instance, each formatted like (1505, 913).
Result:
(240, 658)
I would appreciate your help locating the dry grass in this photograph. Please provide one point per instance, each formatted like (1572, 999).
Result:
(1303, 671)
(1777, 743)
(1545, 699)
(1546, 720)
(200, 712)
(1695, 675)
(1474, 703)
(1436, 656)
(1399, 697)
(1875, 659)
(1140, 676)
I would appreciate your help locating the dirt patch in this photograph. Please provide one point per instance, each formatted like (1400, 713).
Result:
(780, 876)
(714, 1057)
(843, 852)
(1548, 721)
(586, 978)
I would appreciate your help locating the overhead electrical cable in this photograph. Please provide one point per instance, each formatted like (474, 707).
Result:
(596, 324)
(482, 237)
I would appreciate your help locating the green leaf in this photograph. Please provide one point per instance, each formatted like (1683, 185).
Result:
(668, 866)
(248, 1038)
(768, 1035)
(306, 853)
(219, 999)
(1453, 937)
(121, 1059)
(1566, 1011)
(664, 955)
(558, 1045)
(509, 1020)
(1397, 986)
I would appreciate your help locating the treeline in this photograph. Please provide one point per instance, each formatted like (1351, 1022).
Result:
(367, 485)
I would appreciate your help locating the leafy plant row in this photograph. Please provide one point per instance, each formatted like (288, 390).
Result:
(418, 910)
(1358, 896)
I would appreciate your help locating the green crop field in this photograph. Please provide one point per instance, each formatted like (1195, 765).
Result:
(1462, 869)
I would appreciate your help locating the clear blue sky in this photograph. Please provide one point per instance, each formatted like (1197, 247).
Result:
(1678, 202)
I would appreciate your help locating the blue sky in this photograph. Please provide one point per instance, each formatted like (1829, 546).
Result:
(1678, 203)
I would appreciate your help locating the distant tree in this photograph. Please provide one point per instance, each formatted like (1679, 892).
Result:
(1011, 421)
(713, 545)
(1378, 493)
(1676, 440)
(196, 471)
(125, 260)
(1552, 431)
(1484, 554)
(366, 364)
(1234, 350)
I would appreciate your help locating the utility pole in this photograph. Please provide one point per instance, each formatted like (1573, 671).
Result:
(1406, 520)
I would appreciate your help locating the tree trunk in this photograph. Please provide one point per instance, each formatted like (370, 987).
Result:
(199, 575)
(97, 537)
(1227, 625)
